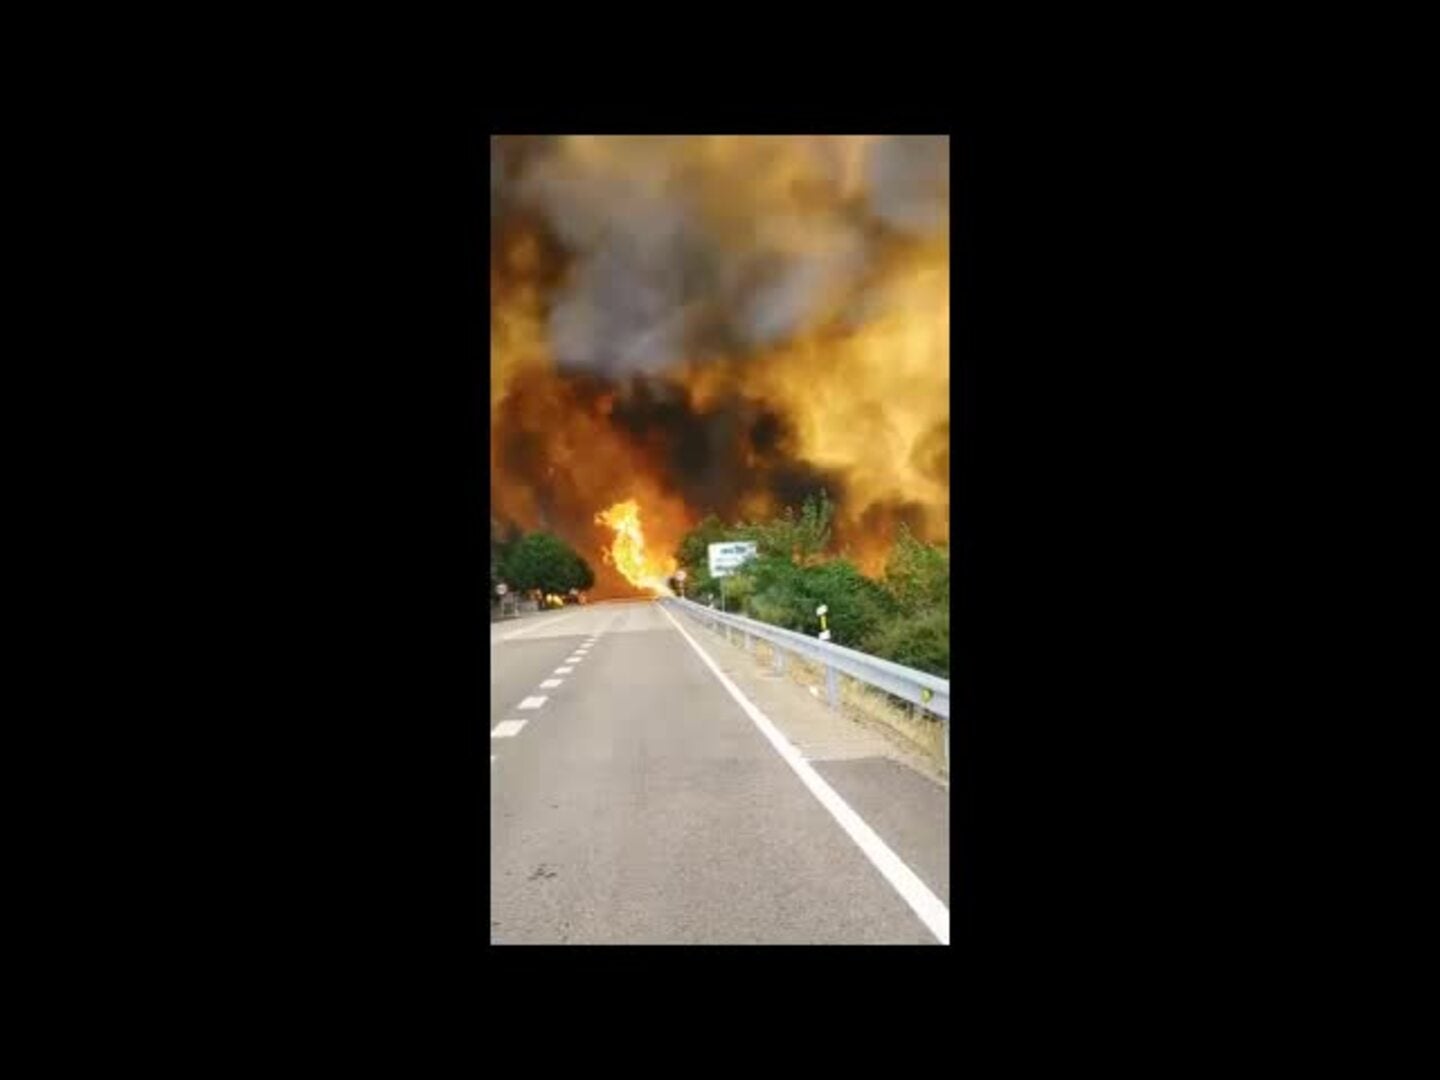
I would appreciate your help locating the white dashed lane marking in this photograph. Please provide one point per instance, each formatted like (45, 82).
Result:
(507, 729)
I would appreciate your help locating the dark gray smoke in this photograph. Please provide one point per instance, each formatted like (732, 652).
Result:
(650, 282)
(909, 179)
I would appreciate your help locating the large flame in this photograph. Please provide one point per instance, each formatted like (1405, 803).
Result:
(643, 569)
(832, 371)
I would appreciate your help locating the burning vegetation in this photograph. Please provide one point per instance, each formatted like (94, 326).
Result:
(726, 325)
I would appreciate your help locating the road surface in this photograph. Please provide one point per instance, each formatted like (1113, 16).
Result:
(651, 784)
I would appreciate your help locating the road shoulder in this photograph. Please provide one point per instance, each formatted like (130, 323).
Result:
(898, 793)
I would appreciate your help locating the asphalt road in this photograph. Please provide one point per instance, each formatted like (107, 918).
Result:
(635, 800)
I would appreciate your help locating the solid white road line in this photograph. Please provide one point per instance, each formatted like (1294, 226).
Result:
(531, 703)
(506, 729)
(550, 684)
(563, 670)
(539, 626)
(929, 907)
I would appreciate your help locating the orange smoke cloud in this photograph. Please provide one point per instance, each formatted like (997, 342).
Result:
(789, 297)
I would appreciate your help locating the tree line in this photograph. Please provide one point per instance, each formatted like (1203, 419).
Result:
(904, 616)
(537, 562)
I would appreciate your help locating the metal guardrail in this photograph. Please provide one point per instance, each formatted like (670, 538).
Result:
(920, 688)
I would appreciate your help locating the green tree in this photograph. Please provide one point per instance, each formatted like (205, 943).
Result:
(739, 588)
(905, 618)
(545, 562)
(788, 540)
(917, 575)
(779, 595)
(802, 537)
(918, 641)
(785, 594)
(857, 605)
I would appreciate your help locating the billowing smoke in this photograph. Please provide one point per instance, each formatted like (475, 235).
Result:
(729, 323)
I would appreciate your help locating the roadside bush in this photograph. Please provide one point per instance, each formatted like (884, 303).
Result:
(905, 617)
(857, 606)
(918, 641)
(917, 575)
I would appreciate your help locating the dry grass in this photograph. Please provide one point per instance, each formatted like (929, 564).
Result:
(922, 730)
(909, 726)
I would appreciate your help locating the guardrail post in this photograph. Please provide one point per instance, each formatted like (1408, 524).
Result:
(895, 680)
